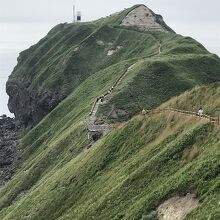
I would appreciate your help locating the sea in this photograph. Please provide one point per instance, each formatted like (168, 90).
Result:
(14, 38)
(7, 63)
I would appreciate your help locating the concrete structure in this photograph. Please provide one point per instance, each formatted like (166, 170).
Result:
(95, 131)
(79, 16)
(142, 18)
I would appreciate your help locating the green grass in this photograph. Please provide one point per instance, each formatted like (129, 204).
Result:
(54, 64)
(155, 80)
(143, 162)
(126, 175)
(70, 53)
(115, 19)
(57, 133)
(206, 97)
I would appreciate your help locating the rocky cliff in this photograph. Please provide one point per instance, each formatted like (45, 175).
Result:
(28, 106)
(9, 133)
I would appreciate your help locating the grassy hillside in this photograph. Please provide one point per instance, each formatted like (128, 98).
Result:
(70, 53)
(206, 97)
(125, 175)
(144, 160)
(154, 80)
(53, 68)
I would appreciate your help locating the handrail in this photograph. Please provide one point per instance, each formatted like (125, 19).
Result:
(212, 119)
(90, 120)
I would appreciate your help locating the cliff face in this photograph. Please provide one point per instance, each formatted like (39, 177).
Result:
(29, 107)
(9, 132)
(41, 78)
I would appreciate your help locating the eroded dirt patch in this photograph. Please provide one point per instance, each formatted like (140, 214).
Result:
(176, 208)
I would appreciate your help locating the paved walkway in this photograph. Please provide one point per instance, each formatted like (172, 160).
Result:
(90, 122)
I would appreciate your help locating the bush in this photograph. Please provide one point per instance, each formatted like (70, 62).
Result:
(151, 216)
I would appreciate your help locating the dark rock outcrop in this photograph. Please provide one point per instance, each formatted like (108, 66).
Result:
(28, 106)
(9, 134)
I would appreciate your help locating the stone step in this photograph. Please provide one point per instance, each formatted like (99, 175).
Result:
(90, 123)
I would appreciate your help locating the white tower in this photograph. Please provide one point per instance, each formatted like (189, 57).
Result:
(74, 14)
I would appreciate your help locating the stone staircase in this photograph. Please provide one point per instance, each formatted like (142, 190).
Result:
(102, 129)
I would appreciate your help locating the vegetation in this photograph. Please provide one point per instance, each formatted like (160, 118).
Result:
(145, 160)
(206, 97)
(154, 80)
(70, 53)
(125, 175)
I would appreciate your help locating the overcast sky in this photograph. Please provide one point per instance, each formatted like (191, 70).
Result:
(197, 18)
(24, 22)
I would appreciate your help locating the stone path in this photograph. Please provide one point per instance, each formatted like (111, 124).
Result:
(91, 126)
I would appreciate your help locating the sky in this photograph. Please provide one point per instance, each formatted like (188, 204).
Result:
(25, 22)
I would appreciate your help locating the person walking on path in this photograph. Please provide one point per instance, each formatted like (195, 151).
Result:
(200, 112)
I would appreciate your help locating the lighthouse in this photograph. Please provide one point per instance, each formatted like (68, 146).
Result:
(77, 17)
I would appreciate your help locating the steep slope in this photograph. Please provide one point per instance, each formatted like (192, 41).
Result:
(52, 76)
(50, 70)
(145, 161)
(9, 134)
(144, 19)
(206, 97)
(154, 80)
(125, 175)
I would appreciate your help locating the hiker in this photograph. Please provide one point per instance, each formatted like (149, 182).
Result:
(143, 112)
(200, 112)
(102, 98)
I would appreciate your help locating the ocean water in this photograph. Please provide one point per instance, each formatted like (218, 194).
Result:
(8, 59)
(14, 38)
